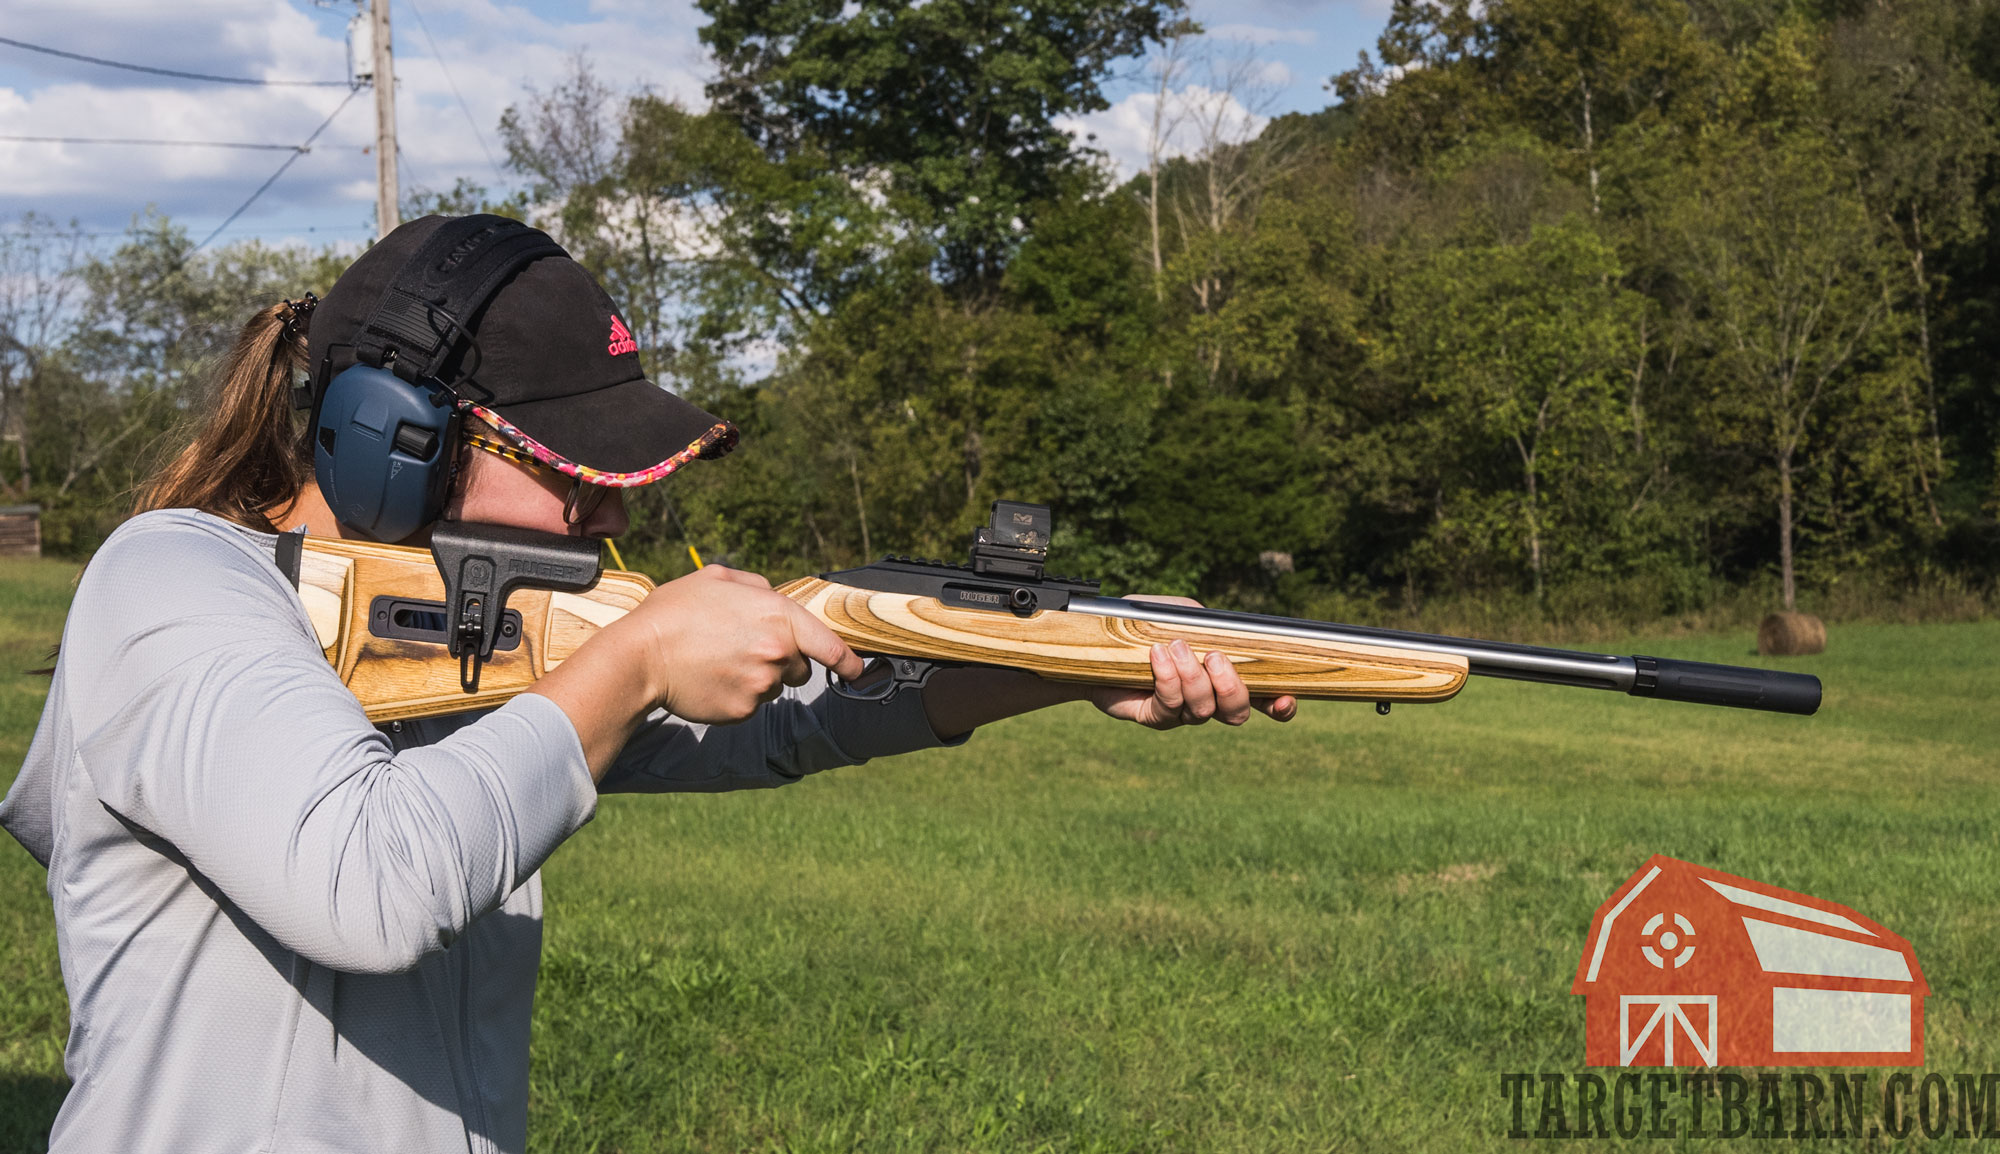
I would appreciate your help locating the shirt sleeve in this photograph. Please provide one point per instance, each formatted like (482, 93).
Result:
(804, 730)
(206, 714)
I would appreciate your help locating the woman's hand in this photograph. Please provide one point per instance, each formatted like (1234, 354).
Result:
(710, 647)
(1187, 690)
(724, 644)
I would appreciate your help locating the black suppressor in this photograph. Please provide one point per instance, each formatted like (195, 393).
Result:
(1706, 684)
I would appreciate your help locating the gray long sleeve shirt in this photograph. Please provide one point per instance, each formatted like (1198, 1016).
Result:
(283, 929)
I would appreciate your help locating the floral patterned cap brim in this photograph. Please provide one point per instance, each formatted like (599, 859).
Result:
(717, 441)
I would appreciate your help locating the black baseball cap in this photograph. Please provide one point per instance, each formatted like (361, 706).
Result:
(549, 355)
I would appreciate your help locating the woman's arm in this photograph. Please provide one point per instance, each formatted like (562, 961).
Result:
(807, 729)
(709, 648)
(205, 715)
(716, 645)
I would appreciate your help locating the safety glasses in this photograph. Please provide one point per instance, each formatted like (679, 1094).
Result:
(588, 485)
(583, 498)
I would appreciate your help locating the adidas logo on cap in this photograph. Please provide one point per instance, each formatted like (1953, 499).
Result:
(621, 338)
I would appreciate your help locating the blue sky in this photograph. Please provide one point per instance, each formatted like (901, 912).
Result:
(488, 50)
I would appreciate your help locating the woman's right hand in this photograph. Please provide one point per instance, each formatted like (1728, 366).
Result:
(710, 647)
(724, 644)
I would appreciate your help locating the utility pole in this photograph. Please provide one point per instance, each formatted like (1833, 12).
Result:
(387, 216)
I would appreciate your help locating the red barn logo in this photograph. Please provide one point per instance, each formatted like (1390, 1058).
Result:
(621, 338)
(1687, 966)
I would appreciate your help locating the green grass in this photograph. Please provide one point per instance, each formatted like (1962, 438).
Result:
(1069, 935)
(33, 1013)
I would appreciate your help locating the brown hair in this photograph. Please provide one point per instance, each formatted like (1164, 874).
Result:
(248, 455)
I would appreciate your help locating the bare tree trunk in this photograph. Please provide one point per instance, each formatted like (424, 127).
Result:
(1238, 159)
(1153, 150)
(1917, 461)
(819, 538)
(20, 435)
(1531, 508)
(974, 448)
(655, 299)
(1785, 528)
(1534, 539)
(1637, 407)
(1589, 144)
(860, 507)
(974, 444)
(1168, 68)
(1153, 223)
(1922, 279)
(15, 429)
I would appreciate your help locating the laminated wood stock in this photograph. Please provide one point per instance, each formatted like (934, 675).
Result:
(1079, 647)
(395, 679)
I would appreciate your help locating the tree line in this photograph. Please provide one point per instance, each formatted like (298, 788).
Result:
(1654, 296)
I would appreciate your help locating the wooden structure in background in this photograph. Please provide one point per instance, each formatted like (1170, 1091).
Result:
(20, 531)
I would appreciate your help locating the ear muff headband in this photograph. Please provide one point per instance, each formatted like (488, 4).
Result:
(423, 317)
(385, 430)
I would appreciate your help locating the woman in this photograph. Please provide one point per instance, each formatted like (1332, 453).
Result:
(282, 928)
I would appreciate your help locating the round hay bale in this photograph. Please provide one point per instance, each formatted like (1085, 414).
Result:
(1790, 634)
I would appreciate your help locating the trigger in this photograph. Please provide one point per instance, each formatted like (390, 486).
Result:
(904, 673)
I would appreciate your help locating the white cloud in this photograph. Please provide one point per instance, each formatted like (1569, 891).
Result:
(1273, 76)
(1259, 34)
(492, 50)
(1193, 115)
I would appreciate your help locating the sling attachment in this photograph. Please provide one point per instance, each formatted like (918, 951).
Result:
(289, 553)
(483, 564)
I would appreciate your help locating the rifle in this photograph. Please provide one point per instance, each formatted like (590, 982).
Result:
(1003, 609)
(508, 605)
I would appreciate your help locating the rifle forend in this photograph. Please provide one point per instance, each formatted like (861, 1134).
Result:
(1003, 609)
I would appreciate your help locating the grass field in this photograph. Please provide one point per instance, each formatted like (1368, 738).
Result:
(1069, 936)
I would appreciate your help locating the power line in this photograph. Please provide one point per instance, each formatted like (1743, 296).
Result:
(47, 51)
(126, 232)
(156, 143)
(262, 188)
(403, 164)
(425, 28)
(180, 262)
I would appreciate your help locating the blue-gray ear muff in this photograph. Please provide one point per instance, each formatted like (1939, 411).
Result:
(385, 431)
(383, 451)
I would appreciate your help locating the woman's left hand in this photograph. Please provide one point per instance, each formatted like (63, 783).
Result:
(1188, 690)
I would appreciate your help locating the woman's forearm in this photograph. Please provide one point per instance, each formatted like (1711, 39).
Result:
(957, 701)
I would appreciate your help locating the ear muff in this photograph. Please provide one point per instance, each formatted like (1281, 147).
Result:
(385, 431)
(383, 451)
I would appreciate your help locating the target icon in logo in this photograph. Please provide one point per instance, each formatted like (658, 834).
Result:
(1678, 936)
(1781, 979)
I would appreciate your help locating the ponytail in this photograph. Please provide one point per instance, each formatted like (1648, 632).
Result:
(247, 457)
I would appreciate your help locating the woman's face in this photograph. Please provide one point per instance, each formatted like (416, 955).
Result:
(497, 491)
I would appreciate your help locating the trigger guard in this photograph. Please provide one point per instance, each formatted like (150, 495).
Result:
(904, 673)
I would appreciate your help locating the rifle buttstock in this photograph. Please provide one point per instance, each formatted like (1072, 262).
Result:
(397, 678)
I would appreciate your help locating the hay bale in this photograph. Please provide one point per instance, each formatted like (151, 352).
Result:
(1790, 634)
